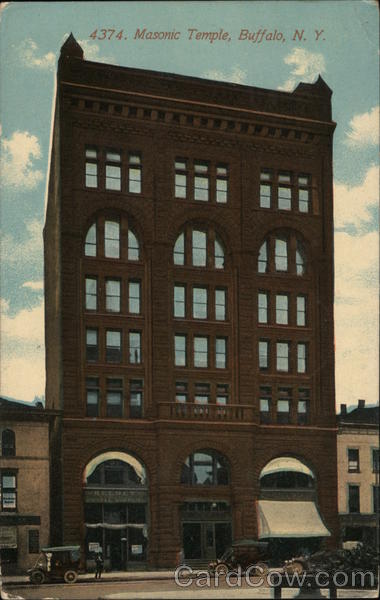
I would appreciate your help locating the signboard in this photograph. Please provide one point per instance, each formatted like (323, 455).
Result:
(94, 547)
(8, 537)
(136, 549)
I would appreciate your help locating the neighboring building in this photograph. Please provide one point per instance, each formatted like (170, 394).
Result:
(358, 473)
(24, 483)
(189, 313)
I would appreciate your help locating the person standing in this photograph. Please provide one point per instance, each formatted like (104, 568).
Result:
(99, 564)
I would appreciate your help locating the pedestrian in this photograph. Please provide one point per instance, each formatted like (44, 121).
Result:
(98, 566)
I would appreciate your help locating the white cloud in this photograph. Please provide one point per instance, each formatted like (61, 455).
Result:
(23, 357)
(236, 75)
(306, 66)
(356, 317)
(91, 52)
(18, 154)
(364, 129)
(34, 285)
(352, 203)
(28, 51)
(14, 252)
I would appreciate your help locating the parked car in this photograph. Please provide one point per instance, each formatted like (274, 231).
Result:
(59, 563)
(242, 553)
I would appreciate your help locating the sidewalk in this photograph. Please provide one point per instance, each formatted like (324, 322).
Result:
(114, 576)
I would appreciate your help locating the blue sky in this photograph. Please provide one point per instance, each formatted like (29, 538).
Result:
(345, 54)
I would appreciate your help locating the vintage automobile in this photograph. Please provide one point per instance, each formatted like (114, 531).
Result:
(242, 553)
(59, 563)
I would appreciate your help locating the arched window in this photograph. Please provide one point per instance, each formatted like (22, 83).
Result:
(105, 238)
(286, 473)
(205, 467)
(204, 249)
(8, 443)
(281, 253)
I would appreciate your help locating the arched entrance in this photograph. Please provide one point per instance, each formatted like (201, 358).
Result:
(116, 510)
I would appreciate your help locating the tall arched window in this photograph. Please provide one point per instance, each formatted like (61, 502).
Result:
(8, 443)
(199, 247)
(105, 238)
(205, 467)
(282, 253)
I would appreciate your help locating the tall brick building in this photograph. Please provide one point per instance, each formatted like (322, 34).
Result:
(189, 313)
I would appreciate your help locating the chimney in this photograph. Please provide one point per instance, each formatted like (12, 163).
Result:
(361, 403)
(343, 410)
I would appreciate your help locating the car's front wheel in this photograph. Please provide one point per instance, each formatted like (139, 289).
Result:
(37, 577)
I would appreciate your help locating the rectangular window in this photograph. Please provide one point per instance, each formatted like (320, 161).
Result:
(201, 181)
(113, 295)
(8, 491)
(181, 393)
(220, 353)
(92, 346)
(180, 350)
(91, 293)
(200, 351)
(221, 184)
(113, 346)
(263, 354)
(222, 394)
(91, 168)
(136, 399)
(134, 347)
(134, 174)
(283, 405)
(263, 307)
(303, 406)
(282, 309)
(265, 403)
(353, 499)
(281, 255)
(301, 311)
(375, 499)
(265, 189)
(303, 193)
(179, 301)
(114, 398)
(353, 460)
(113, 171)
(375, 460)
(33, 541)
(134, 297)
(220, 304)
(92, 396)
(284, 198)
(202, 393)
(301, 357)
(282, 356)
(199, 303)
(180, 178)
(199, 248)
(112, 239)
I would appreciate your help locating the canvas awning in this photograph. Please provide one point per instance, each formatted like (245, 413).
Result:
(289, 519)
(286, 463)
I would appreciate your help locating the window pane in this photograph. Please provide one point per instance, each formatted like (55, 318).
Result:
(91, 293)
(179, 250)
(201, 188)
(91, 153)
(113, 295)
(301, 311)
(263, 258)
(284, 177)
(300, 261)
(114, 404)
(265, 195)
(220, 305)
(220, 353)
(301, 358)
(180, 350)
(134, 297)
(92, 352)
(263, 354)
(282, 309)
(134, 347)
(133, 246)
(179, 301)
(199, 303)
(200, 351)
(199, 248)
(263, 307)
(219, 255)
(281, 255)
(91, 175)
(113, 346)
(90, 245)
(303, 201)
(180, 185)
(113, 177)
(221, 184)
(134, 174)
(284, 198)
(112, 239)
(282, 356)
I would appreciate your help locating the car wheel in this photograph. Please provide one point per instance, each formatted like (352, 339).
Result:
(296, 567)
(70, 576)
(37, 577)
(221, 569)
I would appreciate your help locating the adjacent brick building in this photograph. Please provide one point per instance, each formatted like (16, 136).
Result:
(189, 312)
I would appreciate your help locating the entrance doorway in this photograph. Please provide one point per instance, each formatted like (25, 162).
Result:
(205, 541)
